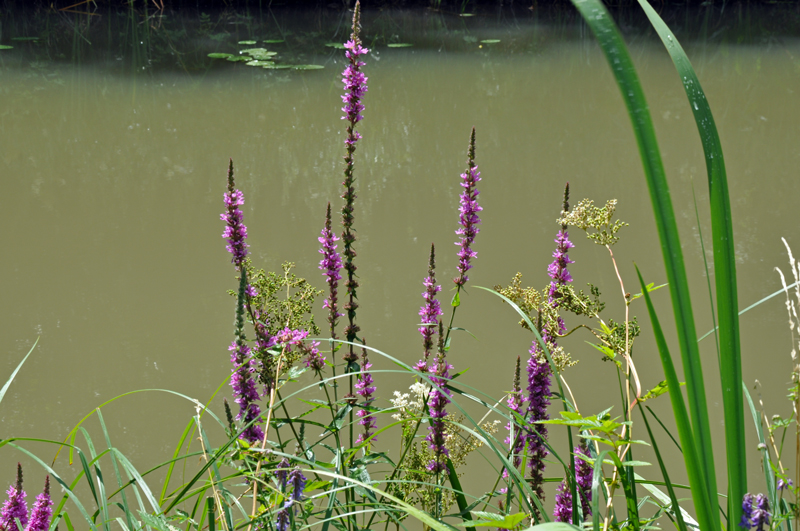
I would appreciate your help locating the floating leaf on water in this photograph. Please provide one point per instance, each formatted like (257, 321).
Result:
(399, 45)
(263, 56)
(248, 43)
(490, 41)
(337, 45)
(220, 55)
(307, 67)
(252, 51)
(273, 41)
(259, 63)
(5, 47)
(466, 15)
(277, 67)
(24, 38)
(235, 59)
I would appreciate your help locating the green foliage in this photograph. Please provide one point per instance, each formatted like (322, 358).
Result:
(586, 216)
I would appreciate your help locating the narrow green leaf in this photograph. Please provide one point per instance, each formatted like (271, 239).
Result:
(399, 45)
(14, 374)
(217, 55)
(458, 491)
(456, 302)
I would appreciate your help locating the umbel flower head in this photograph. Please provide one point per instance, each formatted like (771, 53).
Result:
(468, 215)
(235, 229)
(429, 312)
(15, 506)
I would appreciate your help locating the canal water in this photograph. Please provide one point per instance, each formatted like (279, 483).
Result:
(116, 132)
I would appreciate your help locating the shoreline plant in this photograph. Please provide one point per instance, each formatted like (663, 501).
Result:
(282, 469)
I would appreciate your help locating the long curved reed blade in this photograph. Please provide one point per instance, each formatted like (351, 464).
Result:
(706, 510)
(607, 34)
(14, 374)
(730, 364)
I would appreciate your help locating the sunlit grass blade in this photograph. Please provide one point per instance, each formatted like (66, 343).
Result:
(704, 501)
(676, 508)
(175, 455)
(126, 507)
(724, 267)
(14, 374)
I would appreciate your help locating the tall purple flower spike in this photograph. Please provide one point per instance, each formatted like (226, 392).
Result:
(330, 265)
(41, 512)
(15, 506)
(243, 379)
(468, 218)
(235, 229)
(583, 476)
(516, 437)
(429, 313)
(437, 404)
(755, 512)
(365, 388)
(355, 85)
(538, 367)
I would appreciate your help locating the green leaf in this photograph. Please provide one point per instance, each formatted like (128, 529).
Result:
(490, 41)
(399, 45)
(456, 302)
(247, 43)
(217, 55)
(277, 67)
(239, 58)
(5, 47)
(261, 63)
(307, 67)
(273, 41)
(508, 521)
(24, 38)
(14, 374)
(337, 45)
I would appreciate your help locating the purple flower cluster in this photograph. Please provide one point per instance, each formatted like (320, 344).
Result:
(365, 389)
(314, 360)
(292, 484)
(429, 312)
(244, 389)
(330, 265)
(354, 80)
(583, 476)
(468, 218)
(15, 507)
(437, 404)
(516, 438)
(235, 230)
(755, 512)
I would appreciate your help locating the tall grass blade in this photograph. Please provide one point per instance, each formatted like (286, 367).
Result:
(14, 374)
(461, 500)
(766, 462)
(703, 499)
(126, 508)
(730, 364)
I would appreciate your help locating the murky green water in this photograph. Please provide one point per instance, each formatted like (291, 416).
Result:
(113, 172)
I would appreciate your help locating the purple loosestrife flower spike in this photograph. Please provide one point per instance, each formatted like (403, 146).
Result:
(468, 218)
(15, 506)
(583, 477)
(330, 265)
(365, 389)
(235, 230)
(562, 512)
(41, 512)
(429, 312)
(355, 85)
(297, 482)
(437, 403)
(245, 366)
(516, 436)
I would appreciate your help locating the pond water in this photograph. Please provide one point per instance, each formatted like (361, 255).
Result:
(113, 160)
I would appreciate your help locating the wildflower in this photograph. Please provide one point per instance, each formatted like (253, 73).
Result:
(41, 512)
(355, 85)
(15, 506)
(747, 511)
(437, 405)
(538, 400)
(242, 380)
(468, 218)
(282, 473)
(755, 512)
(583, 478)
(264, 342)
(314, 360)
(515, 439)
(365, 389)
(429, 312)
(297, 482)
(235, 230)
(282, 519)
(784, 484)
(330, 265)
(562, 512)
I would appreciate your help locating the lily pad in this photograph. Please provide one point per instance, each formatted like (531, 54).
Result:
(466, 15)
(337, 45)
(307, 67)
(273, 41)
(259, 63)
(399, 45)
(490, 41)
(277, 67)
(253, 51)
(248, 43)
(236, 59)
(5, 47)
(263, 56)
(220, 55)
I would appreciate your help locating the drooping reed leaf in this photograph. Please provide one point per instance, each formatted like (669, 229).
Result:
(703, 499)
(730, 363)
(14, 374)
(607, 34)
